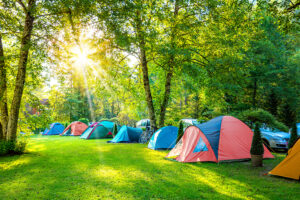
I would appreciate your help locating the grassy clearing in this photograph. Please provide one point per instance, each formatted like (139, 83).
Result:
(70, 168)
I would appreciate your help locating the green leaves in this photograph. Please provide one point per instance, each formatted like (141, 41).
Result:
(257, 147)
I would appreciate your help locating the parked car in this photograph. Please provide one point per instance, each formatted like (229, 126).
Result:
(143, 124)
(275, 139)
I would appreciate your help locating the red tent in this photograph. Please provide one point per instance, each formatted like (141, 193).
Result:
(75, 129)
(222, 138)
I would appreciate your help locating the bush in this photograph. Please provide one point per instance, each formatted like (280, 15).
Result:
(20, 147)
(12, 147)
(115, 130)
(257, 147)
(293, 137)
(84, 120)
(66, 124)
(252, 116)
(180, 131)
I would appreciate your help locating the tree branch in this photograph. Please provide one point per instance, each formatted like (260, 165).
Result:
(23, 6)
(294, 6)
(50, 14)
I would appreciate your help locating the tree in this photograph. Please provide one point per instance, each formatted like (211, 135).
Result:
(115, 130)
(257, 147)
(180, 131)
(294, 136)
(10, 119)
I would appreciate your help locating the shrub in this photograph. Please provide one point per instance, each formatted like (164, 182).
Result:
(20, 147)
(180, 131)
(3, 148)
(257, 147)
(12, 147)
(252, 116)
(115, 130)
(84, 120)
(293, 137)
(66, 124)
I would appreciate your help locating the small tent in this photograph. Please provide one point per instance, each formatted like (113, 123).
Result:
(164, 138)
(127, 135)
(98, 130)
(55, 129)
(290, 166)
(223, 138)
(75, 129)
(45, 131)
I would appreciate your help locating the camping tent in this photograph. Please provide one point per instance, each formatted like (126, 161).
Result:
(45, 131)
(75, 129)
(290, 166)
(55, 129)
(222, 138)
(98, 130)
(164, 138)
(127, 134)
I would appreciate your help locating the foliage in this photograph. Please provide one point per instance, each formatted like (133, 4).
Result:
(115, 130)
(84, 120)
(261, 116)
(257, 147)
(180, 131)
(124, 119)
(203, 59)
(12, 147)
(294, 136)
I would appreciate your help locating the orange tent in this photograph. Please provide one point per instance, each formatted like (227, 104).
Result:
(75, 129)
(290, 166)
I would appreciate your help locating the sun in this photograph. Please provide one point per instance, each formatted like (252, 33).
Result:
(80, 56)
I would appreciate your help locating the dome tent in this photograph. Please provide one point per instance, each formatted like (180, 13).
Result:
(164, 138)
(55, 129)
(127, 135)
(75, 129)
(220, 139)
(98, 130)
(290, 166)
(46, 131)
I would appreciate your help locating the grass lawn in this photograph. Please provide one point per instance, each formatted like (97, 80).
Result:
(56, 167)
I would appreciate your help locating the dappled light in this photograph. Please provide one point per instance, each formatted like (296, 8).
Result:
(94, 169)
(149, 99)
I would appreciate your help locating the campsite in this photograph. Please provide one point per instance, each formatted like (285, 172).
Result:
(156, 99)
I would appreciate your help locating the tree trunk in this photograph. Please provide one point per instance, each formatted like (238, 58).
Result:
(21, 75)
(144, 64)
(166, 98)
(3, 95)
(164, 104)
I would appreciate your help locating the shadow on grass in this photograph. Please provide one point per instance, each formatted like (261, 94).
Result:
(71, 168)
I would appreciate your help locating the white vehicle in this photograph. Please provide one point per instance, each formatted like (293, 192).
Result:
(143, 124)
(190, 122)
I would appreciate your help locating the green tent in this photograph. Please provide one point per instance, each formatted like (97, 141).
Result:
(98, 130)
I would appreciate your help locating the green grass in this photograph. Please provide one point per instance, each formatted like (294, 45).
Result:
(57, 167)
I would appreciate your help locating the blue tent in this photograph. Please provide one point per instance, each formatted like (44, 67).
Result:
(164, 138)
(45, 131)
(127, 135)
(55, 129)
(107, 124)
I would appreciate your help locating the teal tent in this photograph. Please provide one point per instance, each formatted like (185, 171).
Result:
(98, 130)
(164, 138)
(127, 135)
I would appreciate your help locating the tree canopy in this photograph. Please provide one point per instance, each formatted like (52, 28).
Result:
(134, 59)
